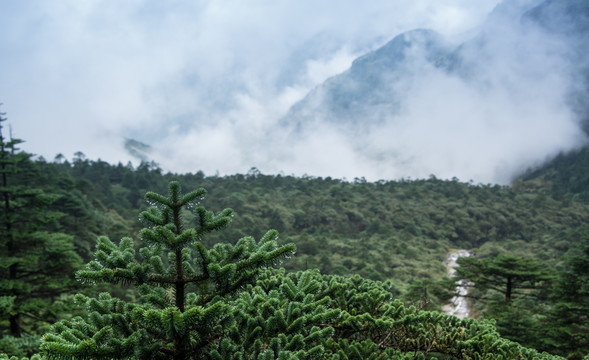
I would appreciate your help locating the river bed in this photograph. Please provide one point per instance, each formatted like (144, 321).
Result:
(459, 305)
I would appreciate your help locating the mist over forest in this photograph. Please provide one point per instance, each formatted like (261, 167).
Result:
(294, 180)
(480, 93)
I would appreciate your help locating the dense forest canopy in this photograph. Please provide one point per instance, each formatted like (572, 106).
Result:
(394, 233)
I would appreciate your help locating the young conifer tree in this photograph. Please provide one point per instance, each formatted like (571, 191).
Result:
(36, 266)
(183, 288)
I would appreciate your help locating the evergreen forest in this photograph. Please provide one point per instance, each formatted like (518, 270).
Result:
(105, 261)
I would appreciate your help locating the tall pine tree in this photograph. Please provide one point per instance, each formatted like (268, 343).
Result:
(36, 266)
(183, 287)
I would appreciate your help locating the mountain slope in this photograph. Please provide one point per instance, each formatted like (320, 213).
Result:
(486, 109)
(398, 231)
(565, 176)
(569, 20)
(374, 83)
(372, 86)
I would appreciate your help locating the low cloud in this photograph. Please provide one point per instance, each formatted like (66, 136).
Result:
(506, 108)
(205, 83)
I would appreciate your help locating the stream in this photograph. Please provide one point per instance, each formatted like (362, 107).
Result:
(459, 305)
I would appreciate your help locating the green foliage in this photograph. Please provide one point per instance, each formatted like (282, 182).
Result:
(183, 286)
(564, 177)
(405, 227)
(227, 302)
(37, 265)
(281, 318)
(567, 323)
(367, 323)
(20, 346)
(538, 306)
(510, 275)
(393, 231)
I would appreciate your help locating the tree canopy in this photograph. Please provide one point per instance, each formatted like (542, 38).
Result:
(392, 235)
(37, 265)
(508, 274)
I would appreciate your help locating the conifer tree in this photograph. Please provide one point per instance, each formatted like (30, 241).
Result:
(36, 266)
(511, 287)
(567, 323)
(224, 303)
(507, 274)
(184, 288)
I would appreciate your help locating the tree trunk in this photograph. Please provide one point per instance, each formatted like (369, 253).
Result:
(179, 340)
(15, 325)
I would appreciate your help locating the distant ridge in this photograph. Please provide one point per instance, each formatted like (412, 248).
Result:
(137, 149)
(376, 90)
(373, 87)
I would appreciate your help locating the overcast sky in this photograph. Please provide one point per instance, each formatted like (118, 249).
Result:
(203, 81)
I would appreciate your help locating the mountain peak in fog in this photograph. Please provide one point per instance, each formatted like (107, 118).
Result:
(505, 100)
(369, 88)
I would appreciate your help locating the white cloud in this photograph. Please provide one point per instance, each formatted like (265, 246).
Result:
(205, 83)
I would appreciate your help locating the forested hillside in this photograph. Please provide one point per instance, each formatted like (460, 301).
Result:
(393, 231)
(404, 227)
(127, 261)
(396, 233)
(564, 177)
